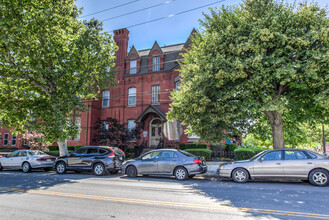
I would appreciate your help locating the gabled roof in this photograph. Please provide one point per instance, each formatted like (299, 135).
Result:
(155, 47)
(133, 51)
(189, 39)
(151, 109)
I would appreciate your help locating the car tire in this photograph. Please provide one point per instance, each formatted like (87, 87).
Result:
(181, 173)
(26, 167)
(319, 177)
(60, 168)
(131, 172)
(99, 169)
(240, 175)
(47, 169)
(1, 167)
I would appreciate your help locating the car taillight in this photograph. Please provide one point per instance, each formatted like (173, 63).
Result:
(197, 161)
(111, 153)
(0, 156)
(41, 159)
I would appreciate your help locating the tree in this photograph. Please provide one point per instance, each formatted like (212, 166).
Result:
(51, 64)
(111, 132)
(35, 140)
(261, 58)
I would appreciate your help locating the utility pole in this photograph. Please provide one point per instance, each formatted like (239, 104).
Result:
(324, 140)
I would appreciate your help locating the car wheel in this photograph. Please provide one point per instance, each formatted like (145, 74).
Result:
(181, 173)
(1, 167)
(319, 177)
(26, 167)
(240, 175)
(47, 169)
(60, 168)
(131, 172)
(99, 169)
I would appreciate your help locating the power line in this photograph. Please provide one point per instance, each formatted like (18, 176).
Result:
(172, 15)
(118, 6)
(129, 13)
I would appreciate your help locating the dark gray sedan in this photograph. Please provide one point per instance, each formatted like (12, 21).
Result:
(285, 163)
(167, 162)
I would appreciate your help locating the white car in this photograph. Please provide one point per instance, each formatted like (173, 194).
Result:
(26, 160)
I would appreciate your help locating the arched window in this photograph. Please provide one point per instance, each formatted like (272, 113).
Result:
(132, 96)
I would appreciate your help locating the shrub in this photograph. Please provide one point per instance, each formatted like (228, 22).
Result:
(184, 146)
(206, 153)
(230, 147)
(53, 148)
(53, 153)
(8, 149)
(246, 153)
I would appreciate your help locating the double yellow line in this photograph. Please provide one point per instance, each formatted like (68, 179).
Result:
(168, 204)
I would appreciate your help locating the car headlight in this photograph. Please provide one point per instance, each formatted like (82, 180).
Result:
(222, 167)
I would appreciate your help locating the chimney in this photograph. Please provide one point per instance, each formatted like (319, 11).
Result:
(121, 38)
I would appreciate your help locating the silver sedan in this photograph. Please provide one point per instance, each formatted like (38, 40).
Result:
(167, 162)
(285, 163)
(27, 160)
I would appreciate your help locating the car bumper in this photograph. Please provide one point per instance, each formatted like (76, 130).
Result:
(42, 164)
(224, 173)
(200, 170)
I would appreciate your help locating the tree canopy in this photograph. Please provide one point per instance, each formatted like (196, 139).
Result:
(51, 64)
(260, 58)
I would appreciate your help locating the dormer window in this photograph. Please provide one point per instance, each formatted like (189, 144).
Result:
(133, 66)
(156, 64)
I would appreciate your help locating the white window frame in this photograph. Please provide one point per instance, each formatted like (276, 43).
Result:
(132, 96)
(106, 98)
(5, 139)
(156, 64)
(77, 122)
(133, 67)
(156, 94)
(13, 140)
(131, 124)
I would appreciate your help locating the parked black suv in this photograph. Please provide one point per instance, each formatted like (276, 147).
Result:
(98, 159)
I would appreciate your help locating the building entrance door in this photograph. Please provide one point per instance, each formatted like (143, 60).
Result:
(155, 132)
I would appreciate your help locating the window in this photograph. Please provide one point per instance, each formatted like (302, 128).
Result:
(156, 94)
(5, 139)
(168, 154)
(106, 98)
(77, 123)
(22, 154)
(92, 151)
(177, 85)
(294, 155)
(133, 66)
(132, 96)
(156, 64)
(13, 154)
(312, 155)
(275, 155)
(13, 141)
(105, 125)
(131, 125)
(79, 152)
(151, 156)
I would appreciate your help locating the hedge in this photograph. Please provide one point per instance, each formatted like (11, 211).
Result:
(206, 153)
(184, 146)
(230, 147)
(246, 153)
(8, 149)
(70, 148)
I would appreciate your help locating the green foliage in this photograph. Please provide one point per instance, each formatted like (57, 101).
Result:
(246, 153)
(206, 153)
(53, 153)
(50, 61)
(184, 146)
(260, 57)
(53, 148)
(230, 147)
(8, 149)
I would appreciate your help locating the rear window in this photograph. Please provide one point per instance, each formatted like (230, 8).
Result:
(36, 152)
(187, 153)
(103, 151)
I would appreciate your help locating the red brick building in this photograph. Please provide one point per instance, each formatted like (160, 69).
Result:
(145, 80)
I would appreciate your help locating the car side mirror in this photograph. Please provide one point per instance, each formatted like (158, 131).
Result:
(260, 159)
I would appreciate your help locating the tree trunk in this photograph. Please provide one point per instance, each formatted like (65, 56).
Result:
(276, 122)
(62, 146)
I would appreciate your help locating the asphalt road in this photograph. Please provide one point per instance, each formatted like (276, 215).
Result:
(42, 195)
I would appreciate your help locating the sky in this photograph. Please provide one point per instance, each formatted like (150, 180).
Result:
(176, 18)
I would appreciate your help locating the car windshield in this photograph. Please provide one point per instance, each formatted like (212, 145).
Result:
(187, 153)
(36, 152)
(257, 155)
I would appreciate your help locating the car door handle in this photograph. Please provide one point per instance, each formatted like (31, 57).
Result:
(278, 163)
(309, 163)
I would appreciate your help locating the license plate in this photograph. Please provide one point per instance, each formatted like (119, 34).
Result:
(48, 159)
